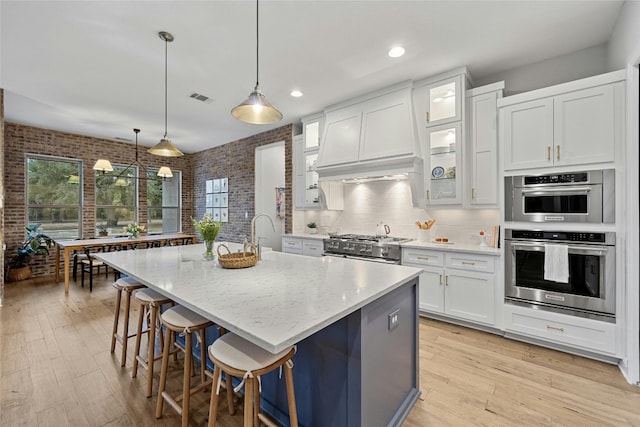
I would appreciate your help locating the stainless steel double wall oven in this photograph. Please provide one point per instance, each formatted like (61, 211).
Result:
(568, 198)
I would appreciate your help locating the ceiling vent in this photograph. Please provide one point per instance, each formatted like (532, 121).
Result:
(199, 97)
(119, 138)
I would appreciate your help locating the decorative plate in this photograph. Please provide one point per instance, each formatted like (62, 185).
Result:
(437, 172)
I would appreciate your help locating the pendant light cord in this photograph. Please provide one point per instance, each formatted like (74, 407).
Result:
(166, 43)
(257, 45)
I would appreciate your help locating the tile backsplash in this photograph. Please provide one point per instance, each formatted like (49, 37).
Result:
(368, 204)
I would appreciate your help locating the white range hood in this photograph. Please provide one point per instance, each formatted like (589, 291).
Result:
(372, 138)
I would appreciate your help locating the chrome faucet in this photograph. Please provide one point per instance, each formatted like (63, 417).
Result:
(253, 228)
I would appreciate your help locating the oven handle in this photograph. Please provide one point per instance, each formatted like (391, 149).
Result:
(591, 250)
(577, 190)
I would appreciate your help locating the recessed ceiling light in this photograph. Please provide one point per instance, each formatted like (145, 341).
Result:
(396, 52)
(296, 93)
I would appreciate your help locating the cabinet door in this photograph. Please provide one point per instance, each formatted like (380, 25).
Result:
(584, 126)
(311, 197)
(299, 183)
(528, 134)
(483, 137)
(470, 296)
(387, 128)
(432, 290)
(312, 247)
(442, 167)
(341, 140)
(444, 101)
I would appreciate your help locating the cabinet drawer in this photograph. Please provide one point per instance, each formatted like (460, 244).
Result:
(567, 330)
(312, 248)
(470, 262)
(291, 245)
(423, 257)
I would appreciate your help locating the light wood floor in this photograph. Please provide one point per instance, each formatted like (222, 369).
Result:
(56, 370)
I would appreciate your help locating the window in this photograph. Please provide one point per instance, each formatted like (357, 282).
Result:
(54, 195)
(116, 199)
(163, 202)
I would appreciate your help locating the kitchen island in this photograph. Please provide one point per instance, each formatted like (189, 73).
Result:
(355, 365)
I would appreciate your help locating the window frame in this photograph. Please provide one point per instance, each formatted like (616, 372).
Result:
(80, 206)
(118, 169)
(152, 171)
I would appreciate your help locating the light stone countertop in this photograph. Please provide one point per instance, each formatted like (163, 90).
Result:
(282, 300)
(317, 236)
(453, 247)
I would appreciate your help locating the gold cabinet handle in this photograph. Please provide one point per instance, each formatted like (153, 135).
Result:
(548, 152)
(441, 280)
(427, 194)
(555, 328)
(473, 193)
(558, 152)
(446, 280)
(427, 116)
(426, 258)
(468, 263)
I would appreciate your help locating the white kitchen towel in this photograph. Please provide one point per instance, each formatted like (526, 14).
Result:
(556, 263)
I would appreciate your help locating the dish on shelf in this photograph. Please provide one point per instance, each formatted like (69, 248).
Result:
(437, 172)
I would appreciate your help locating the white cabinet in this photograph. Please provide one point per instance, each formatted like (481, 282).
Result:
(556, 328)
(305, 159)
(442, 153)
(292, 245)
(302, 246)
(574, 124)
(439, 102)
(455, 284)
(377, 127)
(482, 131)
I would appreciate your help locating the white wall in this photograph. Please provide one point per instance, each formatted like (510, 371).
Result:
(577, 65)
(625, 37)
(367, 204)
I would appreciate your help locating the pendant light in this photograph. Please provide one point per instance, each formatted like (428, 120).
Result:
(103, 165)
(256, 109)
(165, 147)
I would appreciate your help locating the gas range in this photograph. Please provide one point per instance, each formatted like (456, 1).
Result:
(368, 247)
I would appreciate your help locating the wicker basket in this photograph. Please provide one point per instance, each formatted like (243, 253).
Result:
(240, 259)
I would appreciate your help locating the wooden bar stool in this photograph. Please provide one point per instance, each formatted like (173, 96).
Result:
(240, 358)
(180, 320)
(126, 285)
(150, 302)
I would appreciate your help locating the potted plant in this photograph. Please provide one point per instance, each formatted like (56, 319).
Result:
(35, 243)
(313, 227)
(102, 230)
(208, 230)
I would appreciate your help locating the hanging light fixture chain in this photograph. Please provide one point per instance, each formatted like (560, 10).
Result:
(257, 46)
(166, 44)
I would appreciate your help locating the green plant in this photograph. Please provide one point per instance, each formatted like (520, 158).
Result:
(207, 227)
(101, 228)
(134, 229)
(312, 225)
(35, 243)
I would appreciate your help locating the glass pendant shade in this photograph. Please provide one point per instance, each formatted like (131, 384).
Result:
(257, 110)
(165, 148)
(103, 165)
(165, 172)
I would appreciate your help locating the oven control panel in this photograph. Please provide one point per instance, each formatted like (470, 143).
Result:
(560, 236)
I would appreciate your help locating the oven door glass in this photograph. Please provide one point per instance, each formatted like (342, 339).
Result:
(585, 272)
(545, 203)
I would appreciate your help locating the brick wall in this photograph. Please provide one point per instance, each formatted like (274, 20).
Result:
(20, 140)
(2, 261)
(236, 160)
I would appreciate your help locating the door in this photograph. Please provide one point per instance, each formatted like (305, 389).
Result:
(483, 134)
(432, 290)
(528, 134)
(269, 183)
(584, 126)
(470, 295)
(443, 164)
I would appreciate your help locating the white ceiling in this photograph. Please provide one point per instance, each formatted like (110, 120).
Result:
(97, 67)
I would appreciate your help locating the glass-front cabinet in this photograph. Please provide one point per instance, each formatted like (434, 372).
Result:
(305, 151)
(443, 153)
(444, 100)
